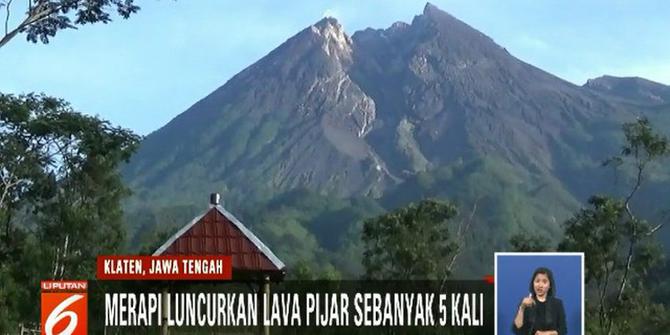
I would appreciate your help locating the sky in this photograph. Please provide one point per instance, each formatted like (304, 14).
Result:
(142, 72)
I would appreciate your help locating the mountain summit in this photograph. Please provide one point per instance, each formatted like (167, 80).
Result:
(366, 114)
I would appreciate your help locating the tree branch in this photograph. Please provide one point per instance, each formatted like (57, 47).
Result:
(603, 293)
(638, 182)
(463, 227)
(8, 183)
(632, 240)
(35, 15)
(7, 5)
(656, 228)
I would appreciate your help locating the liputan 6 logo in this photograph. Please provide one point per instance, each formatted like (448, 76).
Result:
(64, 308)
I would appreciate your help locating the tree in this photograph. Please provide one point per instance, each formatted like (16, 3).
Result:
(60, 191)
(60, 194)
(598, 232)
(44, 18)
(643, 147)
(47, 148)
(619, 246)
(409, 243)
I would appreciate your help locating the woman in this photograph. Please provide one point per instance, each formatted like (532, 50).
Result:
(540, 313)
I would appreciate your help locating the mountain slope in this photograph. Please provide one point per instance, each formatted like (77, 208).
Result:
(431, 108)
(631, 89)
(357, 116)
(293, 118)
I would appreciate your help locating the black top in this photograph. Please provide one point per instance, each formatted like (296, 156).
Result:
(548, 315)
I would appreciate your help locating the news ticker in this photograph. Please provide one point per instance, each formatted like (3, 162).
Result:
(333, 307)
(197, 292)
(296, 310)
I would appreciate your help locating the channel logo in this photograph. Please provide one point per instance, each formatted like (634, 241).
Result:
(64, 307)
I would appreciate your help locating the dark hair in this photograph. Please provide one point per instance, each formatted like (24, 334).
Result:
(549, 274)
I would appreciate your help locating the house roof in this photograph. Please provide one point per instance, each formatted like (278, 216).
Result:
(218, 232)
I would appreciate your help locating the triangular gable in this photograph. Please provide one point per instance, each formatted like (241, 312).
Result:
(219, 232)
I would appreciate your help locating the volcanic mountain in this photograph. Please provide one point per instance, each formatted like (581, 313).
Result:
(431, 108)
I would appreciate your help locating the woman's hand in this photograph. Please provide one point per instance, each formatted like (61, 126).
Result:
(518, 319)
(528, 301)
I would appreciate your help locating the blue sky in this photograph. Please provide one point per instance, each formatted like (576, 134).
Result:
(142, 72)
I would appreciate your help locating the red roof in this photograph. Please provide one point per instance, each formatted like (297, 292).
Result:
(217, 232)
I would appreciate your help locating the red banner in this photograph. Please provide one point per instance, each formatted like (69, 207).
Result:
(164, 267)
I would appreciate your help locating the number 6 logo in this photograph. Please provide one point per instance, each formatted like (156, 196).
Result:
(59, 313)
(64, 313)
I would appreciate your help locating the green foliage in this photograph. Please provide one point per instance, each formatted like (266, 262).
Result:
(301, 271)
(60, 195)
(602, 232)
(505, 202)
(15, 281)
(236, 140)
(620, 248)
(641, 140)
(597, 232)
(262, 136)
(309, 230)
(145, 224)
(409, 243)
(46, 17)
(156, 240)
(638, 314)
